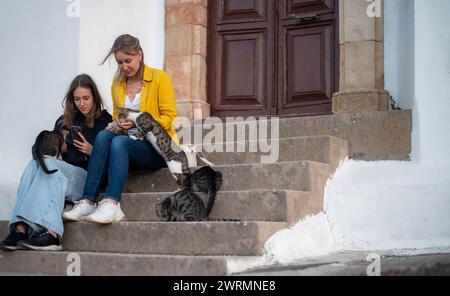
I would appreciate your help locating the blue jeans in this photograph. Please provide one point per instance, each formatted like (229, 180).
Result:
(113, 155)
(40, 197)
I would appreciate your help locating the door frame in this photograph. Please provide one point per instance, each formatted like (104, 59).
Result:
(276, 93)
(360, 63)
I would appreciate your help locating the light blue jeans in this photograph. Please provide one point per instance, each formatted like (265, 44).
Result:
(40, 197)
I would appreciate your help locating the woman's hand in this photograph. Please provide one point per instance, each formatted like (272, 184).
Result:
(84, 146)
(126, 125)
(112, 127)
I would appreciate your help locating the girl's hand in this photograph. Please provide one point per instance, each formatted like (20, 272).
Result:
(64, 148)
(84, 146)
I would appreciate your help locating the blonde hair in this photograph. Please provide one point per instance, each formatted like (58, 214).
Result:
(129, 45)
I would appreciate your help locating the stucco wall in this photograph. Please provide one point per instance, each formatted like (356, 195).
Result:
(43, 49)
(39, 52)
(432, 84)
(399, 51)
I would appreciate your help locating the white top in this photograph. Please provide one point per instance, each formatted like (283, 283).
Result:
(135, 107)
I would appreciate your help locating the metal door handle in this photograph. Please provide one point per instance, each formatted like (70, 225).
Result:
(303, 17)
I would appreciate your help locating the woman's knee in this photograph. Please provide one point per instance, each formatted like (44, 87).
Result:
(104, 137)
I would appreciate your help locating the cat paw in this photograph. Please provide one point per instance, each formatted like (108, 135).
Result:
(135, 138)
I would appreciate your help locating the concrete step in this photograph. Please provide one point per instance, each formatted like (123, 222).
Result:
(111, 264)
(165, 238)
(324, 149)
(290, 175)
(276, 206)
(384, 135)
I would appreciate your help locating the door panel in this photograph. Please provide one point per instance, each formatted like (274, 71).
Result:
(306, 76)
(242, 70)
(242, 10)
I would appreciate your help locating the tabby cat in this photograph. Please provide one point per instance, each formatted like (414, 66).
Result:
(150, 130)
(185, 205)
(47, 144)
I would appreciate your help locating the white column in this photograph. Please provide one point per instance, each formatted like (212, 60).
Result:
(102, 21)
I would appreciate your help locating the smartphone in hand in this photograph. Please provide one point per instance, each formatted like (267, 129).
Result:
(74, 131)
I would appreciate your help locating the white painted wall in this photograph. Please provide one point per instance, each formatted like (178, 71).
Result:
(389, 205)
(43, 49)
(417, 63)
(432, 83)
(102, 21)
(39, 54)
(399, 51)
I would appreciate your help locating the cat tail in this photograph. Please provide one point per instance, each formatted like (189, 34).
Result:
(216, 184)
(39, 158)
(185, 164)
(211, 199)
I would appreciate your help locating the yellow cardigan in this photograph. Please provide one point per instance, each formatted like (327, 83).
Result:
(157, 98)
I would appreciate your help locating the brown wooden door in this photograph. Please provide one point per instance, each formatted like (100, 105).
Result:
(268, 57)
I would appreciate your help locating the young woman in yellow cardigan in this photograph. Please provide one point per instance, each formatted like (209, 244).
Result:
(137, 87)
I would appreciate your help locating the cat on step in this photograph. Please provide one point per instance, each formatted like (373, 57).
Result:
(185, 204)
(150, 130)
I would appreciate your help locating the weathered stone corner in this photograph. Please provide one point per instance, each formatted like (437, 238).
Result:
(363, 100)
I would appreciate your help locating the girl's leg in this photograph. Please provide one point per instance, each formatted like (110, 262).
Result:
(76, 179)
(124, 153)
(98, 164)
(40, 202)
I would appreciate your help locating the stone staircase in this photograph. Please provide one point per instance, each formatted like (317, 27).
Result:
(264, 197)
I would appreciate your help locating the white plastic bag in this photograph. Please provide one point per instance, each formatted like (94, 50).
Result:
(191, 153)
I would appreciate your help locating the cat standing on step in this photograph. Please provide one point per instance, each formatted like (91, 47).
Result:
(185, 205)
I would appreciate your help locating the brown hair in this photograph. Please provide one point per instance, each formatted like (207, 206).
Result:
(70, 109)
(129, 45)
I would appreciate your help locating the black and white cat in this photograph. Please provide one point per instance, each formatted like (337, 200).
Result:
(150, 130)
(185, 205)
(48, 144)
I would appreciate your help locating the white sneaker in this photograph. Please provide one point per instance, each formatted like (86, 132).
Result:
(107, 212)
(79, 211)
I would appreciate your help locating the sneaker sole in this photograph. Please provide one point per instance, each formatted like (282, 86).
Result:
(68, 219)
(47, 248)
(90, 220)
(9, 248)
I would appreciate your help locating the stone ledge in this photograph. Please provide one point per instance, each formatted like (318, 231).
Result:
(357, 101)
